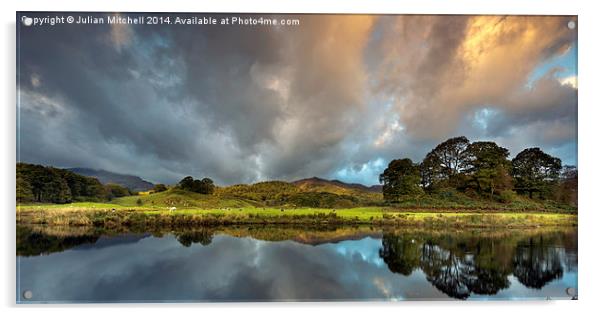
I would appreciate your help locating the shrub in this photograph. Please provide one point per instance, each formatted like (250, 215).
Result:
(159, 188)
(507, 196)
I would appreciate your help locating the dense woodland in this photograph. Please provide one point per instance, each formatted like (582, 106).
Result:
(37, 183)
(481, 170)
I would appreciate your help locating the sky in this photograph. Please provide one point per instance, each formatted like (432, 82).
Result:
(337, 96)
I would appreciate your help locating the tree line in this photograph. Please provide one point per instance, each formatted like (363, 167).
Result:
(481, 169)
(36, 183)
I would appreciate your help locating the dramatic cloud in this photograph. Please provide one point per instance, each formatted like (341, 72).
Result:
(244, 269)
(336, 96)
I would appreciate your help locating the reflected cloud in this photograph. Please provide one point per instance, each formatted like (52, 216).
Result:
(203, 265)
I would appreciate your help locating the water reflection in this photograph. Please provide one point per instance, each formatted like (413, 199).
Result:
(536, 263)
(481, 264)
(275, 263)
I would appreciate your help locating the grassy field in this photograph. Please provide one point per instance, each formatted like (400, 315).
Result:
(183, 199)
(178, 208)
(444, 201)
(115, 215)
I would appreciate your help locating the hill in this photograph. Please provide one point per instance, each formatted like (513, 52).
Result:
(323, 185)
(131, 182)
(363, 194)
(183, 199)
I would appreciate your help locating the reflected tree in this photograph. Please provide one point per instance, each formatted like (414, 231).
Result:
(400, 253)
(445, 271)
(457, 266)
(486, 279)
(203, 237)
(536, 264)
(34, 243)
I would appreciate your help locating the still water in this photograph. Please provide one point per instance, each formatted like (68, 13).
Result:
(282, 264)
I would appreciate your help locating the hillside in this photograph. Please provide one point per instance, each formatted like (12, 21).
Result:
(301, 194)
(183, 199)
(363, 193)
(319, 184)
(131, 182)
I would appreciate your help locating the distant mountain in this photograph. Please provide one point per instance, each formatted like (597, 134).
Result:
(335, 186)
(131, 182)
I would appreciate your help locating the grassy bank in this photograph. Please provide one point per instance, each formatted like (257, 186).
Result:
(113, 215)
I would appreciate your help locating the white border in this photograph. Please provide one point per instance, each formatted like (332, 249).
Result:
(589, 153)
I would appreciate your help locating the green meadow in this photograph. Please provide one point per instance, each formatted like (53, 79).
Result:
(178, 208)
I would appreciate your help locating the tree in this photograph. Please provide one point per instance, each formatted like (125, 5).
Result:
(207, 186)
(56, 191)
(186, 183)
(430, 173)
(488, 168)
(24, 193)
(114, 190)
(204, 186)
(534, 171)
(401, 178)
(52, 185)
(159, 188)
(566, 191)
(445, 163)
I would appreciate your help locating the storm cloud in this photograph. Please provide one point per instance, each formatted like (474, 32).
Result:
(336, 96)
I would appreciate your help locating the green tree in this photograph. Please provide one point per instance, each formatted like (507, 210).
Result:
(186, 183)
(24, 193)
(566, 192)
(444, 164)
(207, 186)
(48, 184)
(159, 188)
(534, 171)
(204, 186)
(56, 190)
(488, 168)
(401, 178)
(93, 190)
(114, 190)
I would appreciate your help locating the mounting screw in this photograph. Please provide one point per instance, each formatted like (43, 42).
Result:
(571, 25)
(27, 294)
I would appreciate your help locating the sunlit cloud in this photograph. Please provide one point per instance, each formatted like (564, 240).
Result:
(336, 97)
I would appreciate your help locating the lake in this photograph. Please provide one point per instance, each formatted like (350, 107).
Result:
(266, 263)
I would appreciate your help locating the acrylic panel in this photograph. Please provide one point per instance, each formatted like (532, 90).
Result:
(223, 157)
